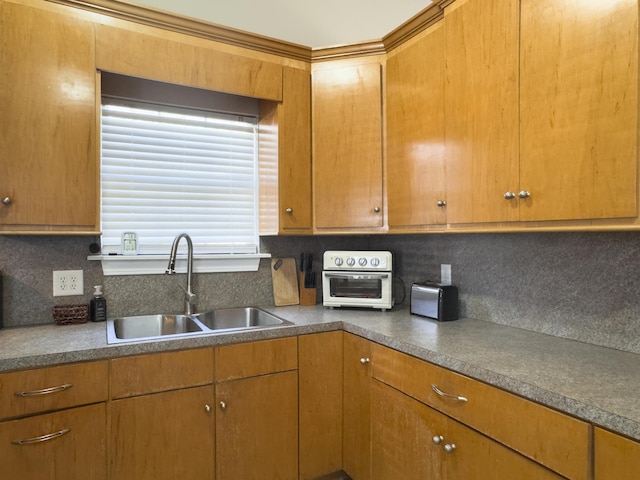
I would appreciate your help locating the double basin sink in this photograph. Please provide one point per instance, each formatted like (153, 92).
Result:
(148, 327)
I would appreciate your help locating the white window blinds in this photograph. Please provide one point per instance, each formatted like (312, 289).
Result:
(167, 170)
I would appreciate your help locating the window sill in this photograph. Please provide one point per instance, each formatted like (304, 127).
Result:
(157, 264)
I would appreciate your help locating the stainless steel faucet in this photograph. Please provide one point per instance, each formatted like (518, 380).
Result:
(190, 298)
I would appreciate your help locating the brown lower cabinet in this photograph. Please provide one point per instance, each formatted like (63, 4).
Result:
(615, 457)
(69, 444)
(164, 435)
(413, 441)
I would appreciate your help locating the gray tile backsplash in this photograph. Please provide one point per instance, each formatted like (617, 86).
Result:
(584, 286)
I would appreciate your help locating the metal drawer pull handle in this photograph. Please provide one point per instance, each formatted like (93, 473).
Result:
(448, 395)
(450, 447)
(42, 438)
(44, 391)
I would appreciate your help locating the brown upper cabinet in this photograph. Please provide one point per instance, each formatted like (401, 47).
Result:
(415, 132)
(481, 109)
(49, 167)
(578, 109)
(347, 146)
(540, 117)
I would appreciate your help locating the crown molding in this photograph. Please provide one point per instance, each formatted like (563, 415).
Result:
(191, 26)
(210, 31)
(415, 25)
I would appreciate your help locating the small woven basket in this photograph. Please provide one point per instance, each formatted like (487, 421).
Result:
(70, 314)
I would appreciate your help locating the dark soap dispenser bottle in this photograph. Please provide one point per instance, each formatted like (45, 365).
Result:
(98, 305)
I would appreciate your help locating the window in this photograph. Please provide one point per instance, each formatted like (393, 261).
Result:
(168, 168)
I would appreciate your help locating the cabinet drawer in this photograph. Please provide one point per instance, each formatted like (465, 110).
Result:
(256, 358)
(158, 372)
(551, 438)
(62, 445)
(52, 388)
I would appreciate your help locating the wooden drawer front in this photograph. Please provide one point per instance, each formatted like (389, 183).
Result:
(616, 457)
(52, 388)
(158, 372)
(78, 453)
(256, 358)
(555, 440)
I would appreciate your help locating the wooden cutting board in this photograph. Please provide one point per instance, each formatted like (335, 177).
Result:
(285, 281)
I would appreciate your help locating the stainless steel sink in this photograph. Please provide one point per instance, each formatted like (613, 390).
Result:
(235, 318)
(150, 327)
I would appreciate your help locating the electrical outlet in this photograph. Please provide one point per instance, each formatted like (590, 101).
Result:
(68, 282)
(445, 274)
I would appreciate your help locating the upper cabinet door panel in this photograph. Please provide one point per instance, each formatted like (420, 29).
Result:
(169, 60)
(481, 110)
(294, 126)
(415, 132)
(347, 146)
(579, 108)
(47, 121)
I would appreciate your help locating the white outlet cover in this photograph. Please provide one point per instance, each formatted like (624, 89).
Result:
(445, 274)
(68, 283)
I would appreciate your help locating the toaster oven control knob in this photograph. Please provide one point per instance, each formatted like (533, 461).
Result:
(338, 261)
(351, 261)
(375, 262)
(362, 262)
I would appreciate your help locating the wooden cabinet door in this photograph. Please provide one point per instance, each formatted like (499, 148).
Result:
(615, 457)
(163, 436)
(466, 453)
(49, 167)
(347, 146)
(481, 110)
(294, 147)
(402, 432)
(320, 377)
(357, 407)
(579, 109)
(257, 428)
(76, 450)
(415, 133)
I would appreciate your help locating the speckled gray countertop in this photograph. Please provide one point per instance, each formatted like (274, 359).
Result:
(597, 384)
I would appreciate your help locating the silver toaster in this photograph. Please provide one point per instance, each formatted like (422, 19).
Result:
(436, 301)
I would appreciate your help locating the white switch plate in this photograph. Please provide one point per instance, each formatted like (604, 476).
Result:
(68, 282)
(445, 274)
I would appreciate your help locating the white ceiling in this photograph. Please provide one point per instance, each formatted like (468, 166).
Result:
(315, 24)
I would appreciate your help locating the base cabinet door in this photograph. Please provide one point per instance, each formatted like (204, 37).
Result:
(356, 426)
(402, 432)
(615, 457)
(69, 444)
(413, 441)
(257, 428)
(162, 436)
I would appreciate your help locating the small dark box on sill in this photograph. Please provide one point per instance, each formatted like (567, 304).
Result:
(436, 301)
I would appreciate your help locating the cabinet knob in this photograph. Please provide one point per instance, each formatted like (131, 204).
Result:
(438, 439)
(6, 200)
(207, 408)
(289, 211)
(364, 360)
(441, 203)
(450, 447)
(524, 194)
(509, 195)
(376, 209)
(223, 405)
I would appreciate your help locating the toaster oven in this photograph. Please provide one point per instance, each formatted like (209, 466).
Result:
(357, 279)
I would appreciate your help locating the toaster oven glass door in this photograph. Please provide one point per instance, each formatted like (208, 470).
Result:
(357, 289)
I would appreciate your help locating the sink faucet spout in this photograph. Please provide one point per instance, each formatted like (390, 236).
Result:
(190, 299)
